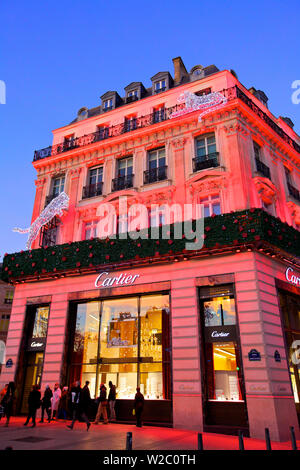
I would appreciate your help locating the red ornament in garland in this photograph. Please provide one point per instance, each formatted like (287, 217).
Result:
(170, 242)
(257, 237)
(33, 264)
(53, 253)
(244, 235)
(78, 264)
(121, 255)
(91, 255)
(107, 257)
(6, 268)
(64, 258)
(207, 229)
(45, 260)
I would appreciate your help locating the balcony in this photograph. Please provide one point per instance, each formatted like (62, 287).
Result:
(232, 93)
(262, 169)
(92, 190)
(293, 192)
(122, 182)
(210, 160)
(155, 174)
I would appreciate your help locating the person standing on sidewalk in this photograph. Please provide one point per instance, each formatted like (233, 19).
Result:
(2, 395)
(79, 404)
(63, 404)
(112, 400)
(102, 407)
(46, 403)
(34, 402)
(55, 400)
(138, 406)
(8, 401)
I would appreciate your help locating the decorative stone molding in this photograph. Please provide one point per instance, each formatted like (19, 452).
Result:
(294, 211)
(208, 184)
(40, 182)
(235, 129)
(75, 172)
(87, 213)
(266, 189)
(179, 143)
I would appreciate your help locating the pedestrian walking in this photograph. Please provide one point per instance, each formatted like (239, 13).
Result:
(8, 400)
(46, 403)
(102, 407)
(34, 403)
(79, 405)
(2, 395)
(63, 404)
(112, 401)
(55, 400)
(138, 407)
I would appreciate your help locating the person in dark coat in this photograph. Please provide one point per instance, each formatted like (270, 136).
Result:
(102, 407)
(112, 401)
(34, 402)
(79, 406)
(63, 404)
(8, 401)
(46, 403)
(138, 406)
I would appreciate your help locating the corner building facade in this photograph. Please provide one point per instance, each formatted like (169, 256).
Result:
(209, 335)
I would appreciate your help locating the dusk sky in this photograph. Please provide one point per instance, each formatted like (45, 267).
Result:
(56, 57)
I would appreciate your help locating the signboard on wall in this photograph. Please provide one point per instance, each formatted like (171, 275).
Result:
(36, 344)
(220, 333)
(254, 355)
(292, 277)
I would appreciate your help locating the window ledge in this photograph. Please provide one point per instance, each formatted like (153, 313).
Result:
(156, 184)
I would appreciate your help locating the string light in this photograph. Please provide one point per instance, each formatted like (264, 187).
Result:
(207, 103)
(55, 207)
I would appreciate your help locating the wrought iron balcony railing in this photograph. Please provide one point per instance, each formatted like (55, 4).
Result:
(231, 94)
(155, 174)
(262, 168)
(49, 198)
(122, 182)
(294, 192)
(206, 161)
(92, 190)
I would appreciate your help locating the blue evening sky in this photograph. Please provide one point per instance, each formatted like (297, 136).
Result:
(57, 56)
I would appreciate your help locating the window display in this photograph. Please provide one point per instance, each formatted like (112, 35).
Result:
(219, 311)
(128, 340)
(40, 322)
(226, 384)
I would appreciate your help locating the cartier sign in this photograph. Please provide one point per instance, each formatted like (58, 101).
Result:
(36, 344)
(291, 277)
(107, 280)
(220, 333)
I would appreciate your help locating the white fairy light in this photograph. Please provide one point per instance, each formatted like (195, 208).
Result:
(55, 207)
(207, 103)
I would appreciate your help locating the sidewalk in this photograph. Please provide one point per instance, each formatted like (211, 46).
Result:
(56, 436)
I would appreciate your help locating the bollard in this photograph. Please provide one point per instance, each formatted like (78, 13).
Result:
(268, 441)
(200, 441)
(129, 441)
(241, 441)
(293, 438)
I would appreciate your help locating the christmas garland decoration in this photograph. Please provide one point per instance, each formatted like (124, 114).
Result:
(248, 227)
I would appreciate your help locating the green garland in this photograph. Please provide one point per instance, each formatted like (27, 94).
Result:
(224, 230)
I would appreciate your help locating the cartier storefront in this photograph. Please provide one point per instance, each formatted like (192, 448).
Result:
(125, 340)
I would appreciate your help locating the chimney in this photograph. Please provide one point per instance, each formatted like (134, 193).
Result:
(288, 121)
(179, 70)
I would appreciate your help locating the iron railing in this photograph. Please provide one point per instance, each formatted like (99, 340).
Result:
(206, 161)
(262, 168)
(92, 190)
(122, 182)
(294, 192)
(150, 119)
(49, 198)
(155, 174)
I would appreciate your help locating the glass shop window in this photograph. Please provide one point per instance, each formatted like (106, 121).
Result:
(219, 311)
(222, 372)
(124, 376)
(82, 373)
(40, 325)
(85, 348)
(119, 328)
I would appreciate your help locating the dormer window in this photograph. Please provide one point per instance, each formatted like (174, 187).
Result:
(160, 86)
(107, 105)
(132, 96)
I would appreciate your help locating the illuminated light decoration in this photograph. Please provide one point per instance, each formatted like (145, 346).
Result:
(55, 207)
(206, 103)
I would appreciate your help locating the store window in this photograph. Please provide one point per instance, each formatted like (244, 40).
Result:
(290, 309)
(40, 325)
(222, 371)
(125, 340)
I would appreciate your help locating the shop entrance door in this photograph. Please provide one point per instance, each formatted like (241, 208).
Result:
(33, 376)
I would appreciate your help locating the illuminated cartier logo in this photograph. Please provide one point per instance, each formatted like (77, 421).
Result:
(104, 280)
(292, 278)
(36, 345)
(215, 334)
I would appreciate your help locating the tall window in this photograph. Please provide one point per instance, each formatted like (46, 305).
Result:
(40, 325)
(9, 295)
(257, 151)
(58, 185)
(159, 114)
(211, 205)
(130, 123)
(205, 147)
(125, 167)
(157, 170)
(49, 233)
(124, 340)
(95, 175)
(107, 104)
